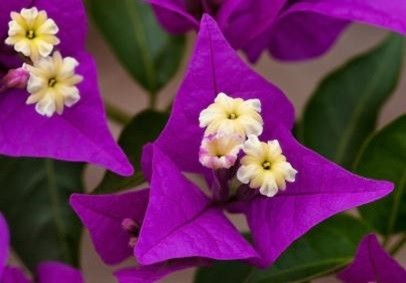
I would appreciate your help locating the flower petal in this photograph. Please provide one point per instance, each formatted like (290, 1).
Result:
(372, 264)
(102, 215)
(321, 189)
(180, 222)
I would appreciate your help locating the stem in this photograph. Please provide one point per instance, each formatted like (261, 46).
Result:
(152, 100)
(116, 114)
(56, 209)
(398, 245)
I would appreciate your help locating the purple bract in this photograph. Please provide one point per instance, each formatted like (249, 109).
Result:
(182, 221)
(81, 132)
(288, 29)
(373, 264)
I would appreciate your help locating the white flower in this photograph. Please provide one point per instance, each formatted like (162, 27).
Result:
(229, 115)
(52, 84)
(32, 33)
(220, 151)
(264, 167)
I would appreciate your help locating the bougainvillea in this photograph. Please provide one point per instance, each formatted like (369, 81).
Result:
(43, 62)
(282, 172)
(290, 30)
(228, 182)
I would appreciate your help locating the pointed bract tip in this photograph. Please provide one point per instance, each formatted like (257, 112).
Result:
(207, 20)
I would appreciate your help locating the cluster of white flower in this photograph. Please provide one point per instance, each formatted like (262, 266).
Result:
(51, 79)
(232, 125)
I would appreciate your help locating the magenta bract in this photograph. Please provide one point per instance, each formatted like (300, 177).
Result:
(290, 30)
(81, 132)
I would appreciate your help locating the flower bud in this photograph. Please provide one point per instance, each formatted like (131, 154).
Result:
(16, 78)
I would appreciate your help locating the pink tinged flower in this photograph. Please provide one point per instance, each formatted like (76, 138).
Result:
(319, 189)
(220, 151)
(289, 30)
(79, 132)
(114, 223)
(372, 264)
(15, 78)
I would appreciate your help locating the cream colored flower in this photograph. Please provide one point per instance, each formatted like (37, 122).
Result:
(52, 84)
(32, 33)
(229, 115)
(264, 167)
(219, 151)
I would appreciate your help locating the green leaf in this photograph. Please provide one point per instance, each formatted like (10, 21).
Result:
(149, 54)
(384, 157)
(343, 111)
(144, 128)
(34, 198)
(224, 272)
(325, 249)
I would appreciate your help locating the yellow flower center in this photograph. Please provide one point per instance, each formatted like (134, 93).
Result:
(264, 167)
(32, 33)
(52, 84)
(229, 115)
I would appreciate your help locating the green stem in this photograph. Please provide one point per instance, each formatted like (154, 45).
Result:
(398, 245)
(116, 114)
(152, 100)
(55, 208)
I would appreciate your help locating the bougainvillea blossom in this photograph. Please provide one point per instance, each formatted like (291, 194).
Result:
(300, 188)
(49, 98)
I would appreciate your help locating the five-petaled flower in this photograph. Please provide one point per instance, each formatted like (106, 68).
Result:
(43, 62)
(289, 188)
(47, 272)
(289, 29)
(372, 264)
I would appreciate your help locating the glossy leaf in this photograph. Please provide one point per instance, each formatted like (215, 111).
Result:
(149, 54)
(325, 249)
(144, 128)
(384, 157)
(224, 272)
(34, 198)
(343, 111)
